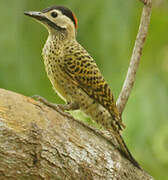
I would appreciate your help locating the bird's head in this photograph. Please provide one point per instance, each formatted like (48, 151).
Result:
(57, 19)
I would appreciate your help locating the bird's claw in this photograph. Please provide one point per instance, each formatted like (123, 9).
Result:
(40, 98)
(37, 97)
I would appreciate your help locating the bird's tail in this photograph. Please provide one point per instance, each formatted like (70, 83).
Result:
(124, 150)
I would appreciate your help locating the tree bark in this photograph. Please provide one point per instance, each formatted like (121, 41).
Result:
(37, 143)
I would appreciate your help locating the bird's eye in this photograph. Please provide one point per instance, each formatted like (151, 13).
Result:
(54, 14)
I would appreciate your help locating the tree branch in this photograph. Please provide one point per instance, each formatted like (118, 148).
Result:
(136, 55)
(37, 142)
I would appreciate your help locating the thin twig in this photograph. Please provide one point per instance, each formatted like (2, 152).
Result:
(136, 55)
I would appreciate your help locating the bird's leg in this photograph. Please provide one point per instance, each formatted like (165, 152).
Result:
(68, 106)
(58, 107)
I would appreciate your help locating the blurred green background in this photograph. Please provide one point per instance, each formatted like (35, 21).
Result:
(107, 29)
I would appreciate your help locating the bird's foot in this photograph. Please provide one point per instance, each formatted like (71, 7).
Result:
(44, 101)
(58, 107)
(68, 106)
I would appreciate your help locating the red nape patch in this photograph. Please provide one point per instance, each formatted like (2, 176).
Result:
(76, 20)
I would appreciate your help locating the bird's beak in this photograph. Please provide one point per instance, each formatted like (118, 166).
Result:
(34, 14)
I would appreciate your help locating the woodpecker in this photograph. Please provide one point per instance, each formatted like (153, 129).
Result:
(74, 74)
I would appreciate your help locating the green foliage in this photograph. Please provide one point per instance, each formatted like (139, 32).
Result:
(107, 29)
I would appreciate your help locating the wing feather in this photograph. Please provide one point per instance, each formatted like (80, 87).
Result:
(84, 72)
